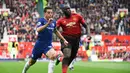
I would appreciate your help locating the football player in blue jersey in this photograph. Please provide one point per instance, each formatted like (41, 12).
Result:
(45, 28)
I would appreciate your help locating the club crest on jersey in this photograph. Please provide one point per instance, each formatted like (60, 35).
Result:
(64, 22)
(74, 19)
(39, 23)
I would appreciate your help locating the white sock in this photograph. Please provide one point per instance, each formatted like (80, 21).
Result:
(26, 67)
(51, 66)
(72, 64)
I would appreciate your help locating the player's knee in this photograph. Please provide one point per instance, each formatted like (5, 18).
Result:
(67, 53)
(66, 61)
(52, 56)
(67, 56)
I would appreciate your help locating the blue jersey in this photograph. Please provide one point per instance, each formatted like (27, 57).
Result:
(46, 34)
(44, 41)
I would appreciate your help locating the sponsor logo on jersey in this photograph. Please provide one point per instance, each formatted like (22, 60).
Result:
(71, 24)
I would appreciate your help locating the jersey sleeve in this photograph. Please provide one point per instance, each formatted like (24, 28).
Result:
(39, 23)
(82, 21)
(55, 24)
(58, 23)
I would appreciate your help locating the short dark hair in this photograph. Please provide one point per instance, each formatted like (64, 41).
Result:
(65, 7)
(45, 9)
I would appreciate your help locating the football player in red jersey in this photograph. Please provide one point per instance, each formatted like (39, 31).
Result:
(71, 25)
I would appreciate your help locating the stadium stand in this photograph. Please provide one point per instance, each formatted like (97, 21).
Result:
(21, 21)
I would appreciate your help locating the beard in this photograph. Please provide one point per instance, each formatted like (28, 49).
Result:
(67, 13)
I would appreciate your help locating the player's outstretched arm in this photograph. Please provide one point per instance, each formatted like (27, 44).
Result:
(39, 29)
(87, 28)
(61, 37)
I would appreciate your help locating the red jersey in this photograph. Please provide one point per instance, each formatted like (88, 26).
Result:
(71, 26)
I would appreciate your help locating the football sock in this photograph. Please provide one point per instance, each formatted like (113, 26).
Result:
(51, 66)
(59, 59)
(64, 68)
(72, 63)
(26, 67)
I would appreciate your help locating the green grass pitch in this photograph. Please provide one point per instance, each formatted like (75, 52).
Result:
(80, 67)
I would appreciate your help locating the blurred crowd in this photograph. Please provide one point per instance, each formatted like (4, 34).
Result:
(21, 21)
(0, 4)
(100, 15)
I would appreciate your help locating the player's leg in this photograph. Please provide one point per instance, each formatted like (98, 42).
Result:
(71, 66)
(28, 65)
(51, 54)
(67, 54)
(35, 55)
(51, 66)
(59, 59)
(75, 46)
(65, 62)
(66, 50)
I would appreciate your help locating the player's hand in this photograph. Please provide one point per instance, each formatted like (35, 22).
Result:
(50, 20)
(66, 43)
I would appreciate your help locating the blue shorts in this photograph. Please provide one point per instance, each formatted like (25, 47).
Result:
(39, 49)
